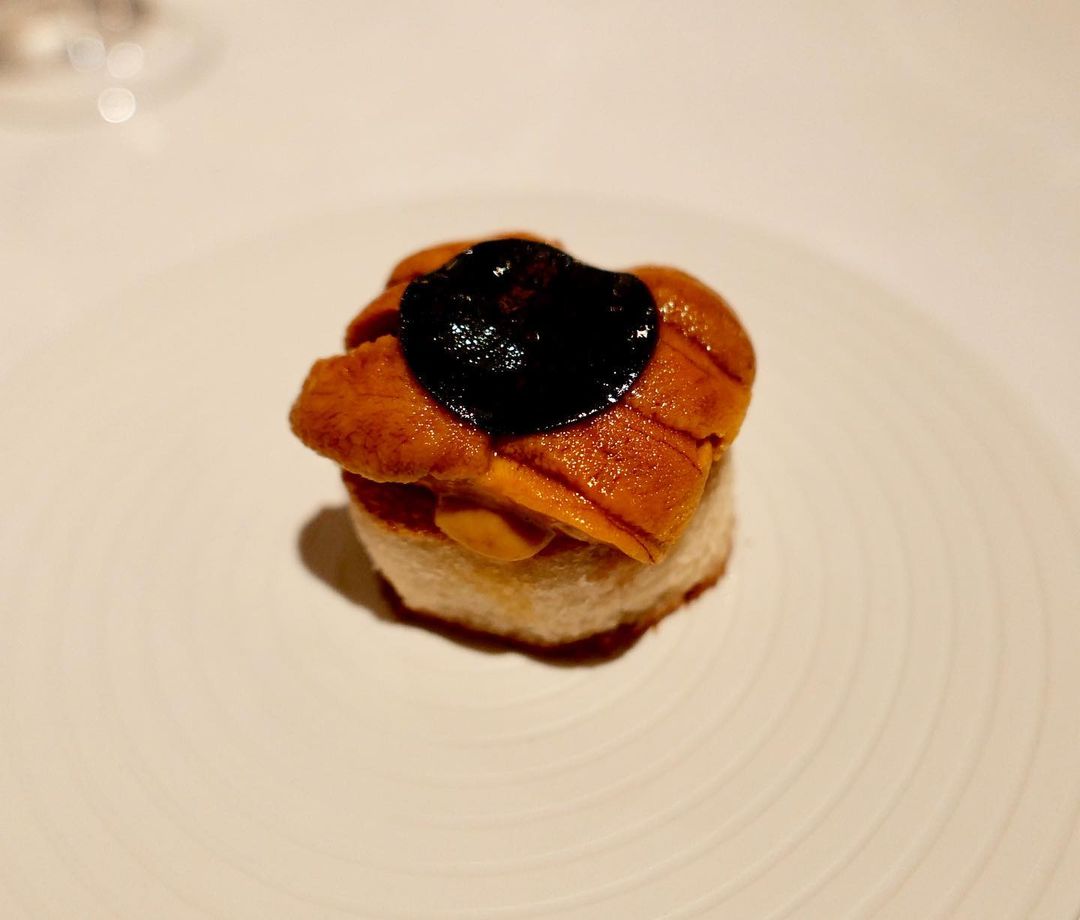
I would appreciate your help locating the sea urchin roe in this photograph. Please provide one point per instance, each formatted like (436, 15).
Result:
(490, 532)
(628, 474)
(516, 337)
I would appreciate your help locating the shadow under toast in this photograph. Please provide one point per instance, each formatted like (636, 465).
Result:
(329, 550)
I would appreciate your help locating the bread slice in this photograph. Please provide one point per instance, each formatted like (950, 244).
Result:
(568, 594)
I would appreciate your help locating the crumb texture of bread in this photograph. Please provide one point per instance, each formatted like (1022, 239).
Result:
(564, 594)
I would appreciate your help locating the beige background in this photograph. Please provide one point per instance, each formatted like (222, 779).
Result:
(929, 145)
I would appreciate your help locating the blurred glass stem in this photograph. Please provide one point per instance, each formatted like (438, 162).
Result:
(117, 16)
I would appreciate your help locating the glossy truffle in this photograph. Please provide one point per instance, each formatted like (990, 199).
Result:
(516, 337)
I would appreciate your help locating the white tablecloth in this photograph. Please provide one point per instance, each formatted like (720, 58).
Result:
(933, 146)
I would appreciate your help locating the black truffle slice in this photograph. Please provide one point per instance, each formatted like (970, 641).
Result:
(516, 337)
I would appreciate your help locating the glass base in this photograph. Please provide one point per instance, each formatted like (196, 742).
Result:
(64, 63)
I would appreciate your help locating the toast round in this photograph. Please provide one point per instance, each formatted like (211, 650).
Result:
(568, 593)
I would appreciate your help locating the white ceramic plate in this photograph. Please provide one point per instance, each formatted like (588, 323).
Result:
(873, 715)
